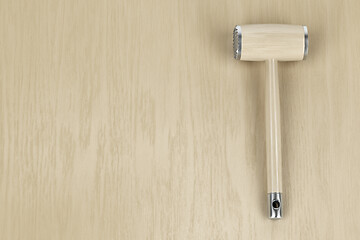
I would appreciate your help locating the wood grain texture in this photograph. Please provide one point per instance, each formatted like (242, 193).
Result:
(282, 42)
(273, 128)
(131, 120)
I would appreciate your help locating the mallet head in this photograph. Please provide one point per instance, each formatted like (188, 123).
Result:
(259, 42)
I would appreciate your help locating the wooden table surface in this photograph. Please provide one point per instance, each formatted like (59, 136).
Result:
(130, 119)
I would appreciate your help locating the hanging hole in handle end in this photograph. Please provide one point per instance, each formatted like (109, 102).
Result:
(276, 204)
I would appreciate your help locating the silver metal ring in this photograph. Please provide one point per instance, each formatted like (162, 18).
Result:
(237, 42)
(275, 205)
(306, 42)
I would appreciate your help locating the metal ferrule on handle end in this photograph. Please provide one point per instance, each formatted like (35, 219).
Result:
(275, 205)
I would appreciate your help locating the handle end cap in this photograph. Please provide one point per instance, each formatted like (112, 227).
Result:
(275, 205)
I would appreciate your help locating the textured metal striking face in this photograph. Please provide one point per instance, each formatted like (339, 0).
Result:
(237, 42)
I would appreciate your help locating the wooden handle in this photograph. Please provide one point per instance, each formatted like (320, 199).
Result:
(273, 132)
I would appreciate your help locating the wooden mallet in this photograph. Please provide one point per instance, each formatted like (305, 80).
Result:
(271, 43)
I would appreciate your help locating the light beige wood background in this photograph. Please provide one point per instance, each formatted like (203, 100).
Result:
(131, 120)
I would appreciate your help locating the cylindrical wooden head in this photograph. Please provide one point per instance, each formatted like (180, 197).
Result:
(259, 42)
